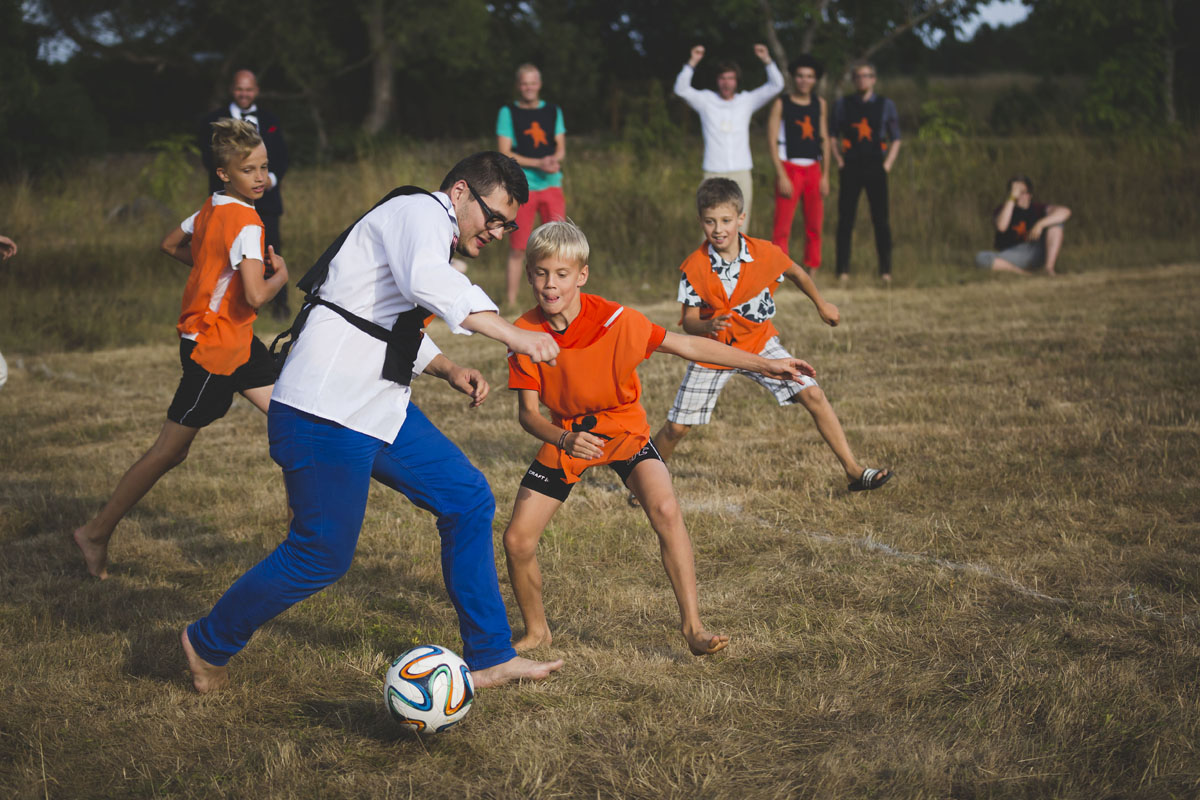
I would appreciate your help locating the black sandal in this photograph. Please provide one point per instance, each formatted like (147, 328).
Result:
(871, 479)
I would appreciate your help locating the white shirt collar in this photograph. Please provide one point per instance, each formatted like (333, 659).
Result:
(222, 199)
(444, 199)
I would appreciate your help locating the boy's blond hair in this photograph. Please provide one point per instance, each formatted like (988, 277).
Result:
(233, 140)
(560, 239)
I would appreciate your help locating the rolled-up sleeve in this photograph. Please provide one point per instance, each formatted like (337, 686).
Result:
(416, 244)
(685, 90)
(767, 92)
(891, 120)
(427, 352)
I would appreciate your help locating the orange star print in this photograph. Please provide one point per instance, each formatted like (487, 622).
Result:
(535, 132)
(1019, 229)
(864, 130)
(806, 128)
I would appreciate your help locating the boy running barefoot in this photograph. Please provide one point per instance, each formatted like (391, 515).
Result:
(593, 393)
(230, 280)
(728, 294)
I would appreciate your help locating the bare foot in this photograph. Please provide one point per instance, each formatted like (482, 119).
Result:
(705, 643)
(95, 552)
(515, 669)
(532, 641)
(205, 677)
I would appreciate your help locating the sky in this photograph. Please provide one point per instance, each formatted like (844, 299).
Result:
(997, 12)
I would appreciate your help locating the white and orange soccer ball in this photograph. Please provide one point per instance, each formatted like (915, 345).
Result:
(429, 688)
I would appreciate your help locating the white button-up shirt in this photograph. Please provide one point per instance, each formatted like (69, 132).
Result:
(394, 259)
(726, 123)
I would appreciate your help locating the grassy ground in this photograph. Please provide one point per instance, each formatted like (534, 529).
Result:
(1016, 615)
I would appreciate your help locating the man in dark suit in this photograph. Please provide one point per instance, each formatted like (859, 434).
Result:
(244, 90)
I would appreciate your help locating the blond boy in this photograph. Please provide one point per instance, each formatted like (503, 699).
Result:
(593, 395)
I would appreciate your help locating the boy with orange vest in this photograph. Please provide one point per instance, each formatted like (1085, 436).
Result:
(593, 394)
(728, 294)
(230, 280)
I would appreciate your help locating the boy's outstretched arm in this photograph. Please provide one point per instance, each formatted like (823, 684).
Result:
(828, 311)
(258, 286)
(696, 348)
(465, 379)
(178, 245)
(579, 444)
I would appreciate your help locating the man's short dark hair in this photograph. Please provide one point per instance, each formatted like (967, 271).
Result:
(487, 170)
(805, 60)
(729, 66)
(1023, 179)
(863, 64)
(717, 192)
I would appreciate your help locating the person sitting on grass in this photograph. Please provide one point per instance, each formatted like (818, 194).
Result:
(230, 280)
(593, 394)
(727, 290)
(1029, 235)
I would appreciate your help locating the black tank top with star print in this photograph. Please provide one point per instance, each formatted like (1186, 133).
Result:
(533, 130)
(861, 136)
(802, 128)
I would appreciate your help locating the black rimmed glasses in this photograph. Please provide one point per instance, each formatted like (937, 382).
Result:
(493, 220)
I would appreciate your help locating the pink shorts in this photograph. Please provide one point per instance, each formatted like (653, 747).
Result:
(549, 204)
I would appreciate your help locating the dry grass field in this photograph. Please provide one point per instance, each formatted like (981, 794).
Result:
(1016, 615)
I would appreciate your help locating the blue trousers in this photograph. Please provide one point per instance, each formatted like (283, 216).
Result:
(328, 470)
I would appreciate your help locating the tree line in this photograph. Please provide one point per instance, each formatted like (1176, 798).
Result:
(82, 76)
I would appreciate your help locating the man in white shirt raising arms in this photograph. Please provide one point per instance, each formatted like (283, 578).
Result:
(341, 415)
(725, 118)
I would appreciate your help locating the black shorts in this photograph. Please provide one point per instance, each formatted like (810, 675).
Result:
(203, 398)
(552, 481)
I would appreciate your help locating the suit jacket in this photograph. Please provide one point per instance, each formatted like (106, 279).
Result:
(271, 203)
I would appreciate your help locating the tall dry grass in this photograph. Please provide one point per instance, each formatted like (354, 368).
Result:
(1016, 615)
(90, 276)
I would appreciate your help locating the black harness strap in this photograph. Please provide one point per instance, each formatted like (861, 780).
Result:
(404, 338)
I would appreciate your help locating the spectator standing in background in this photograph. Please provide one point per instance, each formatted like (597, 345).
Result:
(725, 118)
(868, 131)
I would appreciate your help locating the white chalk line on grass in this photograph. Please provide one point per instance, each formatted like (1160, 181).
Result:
(872, 545)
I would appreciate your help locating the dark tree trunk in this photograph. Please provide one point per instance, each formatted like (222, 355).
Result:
(383, 71)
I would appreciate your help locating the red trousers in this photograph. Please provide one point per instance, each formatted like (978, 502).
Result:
(806, 186)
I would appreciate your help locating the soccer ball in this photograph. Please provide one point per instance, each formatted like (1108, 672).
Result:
(429, 688)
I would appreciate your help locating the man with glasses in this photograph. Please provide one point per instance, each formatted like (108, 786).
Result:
(341, 414)
(868, 131)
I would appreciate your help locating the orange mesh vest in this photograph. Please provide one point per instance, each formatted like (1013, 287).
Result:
(762, 273)
(594, 385)
(222, 336)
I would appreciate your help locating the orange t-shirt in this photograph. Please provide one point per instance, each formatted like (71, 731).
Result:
(594, 385)
(222, 333)
(769, 262)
